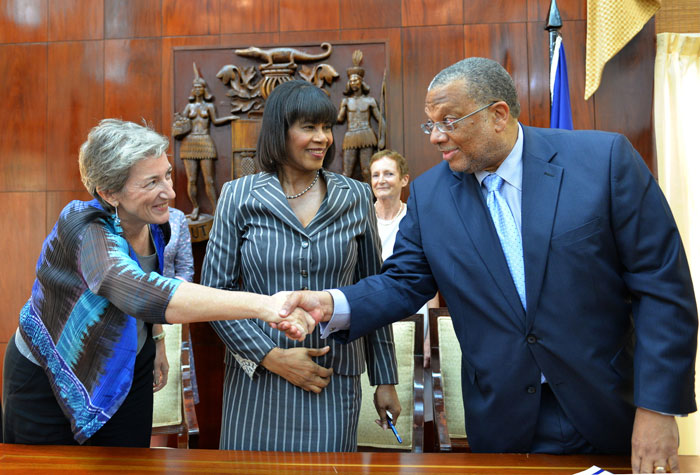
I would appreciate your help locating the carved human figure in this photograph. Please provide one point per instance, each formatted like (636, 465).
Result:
(358, 109)
(197, 149)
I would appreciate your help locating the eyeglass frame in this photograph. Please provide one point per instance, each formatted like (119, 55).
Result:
(444, 126)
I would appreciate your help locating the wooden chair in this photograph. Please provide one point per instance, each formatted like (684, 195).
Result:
(446, 365)
(173, 406)
(408, 340)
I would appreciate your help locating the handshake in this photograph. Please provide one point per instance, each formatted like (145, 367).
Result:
(297, 313)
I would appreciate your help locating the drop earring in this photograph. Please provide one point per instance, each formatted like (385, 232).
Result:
(117, 221)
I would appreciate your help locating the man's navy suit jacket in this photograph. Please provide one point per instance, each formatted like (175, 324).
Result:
(611, 317)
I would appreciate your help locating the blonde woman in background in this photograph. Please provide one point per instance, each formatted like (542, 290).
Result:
(389, 174)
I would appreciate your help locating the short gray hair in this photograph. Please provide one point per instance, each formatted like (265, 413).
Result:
(485, 79)
(111, 149)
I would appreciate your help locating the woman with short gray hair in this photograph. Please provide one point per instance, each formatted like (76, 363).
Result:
(80, 368)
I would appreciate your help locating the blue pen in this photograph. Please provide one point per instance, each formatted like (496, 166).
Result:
(393, 429)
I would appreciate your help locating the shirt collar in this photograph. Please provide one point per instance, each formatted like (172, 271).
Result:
(511, 170)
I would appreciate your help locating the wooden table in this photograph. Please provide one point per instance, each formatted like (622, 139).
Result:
(25, 459)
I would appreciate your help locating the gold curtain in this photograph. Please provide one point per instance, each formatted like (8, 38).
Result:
(676, 103)
(611, 24)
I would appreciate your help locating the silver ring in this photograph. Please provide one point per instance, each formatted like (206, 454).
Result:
(659, 469)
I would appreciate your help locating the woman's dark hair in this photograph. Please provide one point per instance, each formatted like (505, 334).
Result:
(288, 103)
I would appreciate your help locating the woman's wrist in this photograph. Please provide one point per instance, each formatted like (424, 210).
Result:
(160, 336)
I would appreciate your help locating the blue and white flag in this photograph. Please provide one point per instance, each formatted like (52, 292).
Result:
(560, 116)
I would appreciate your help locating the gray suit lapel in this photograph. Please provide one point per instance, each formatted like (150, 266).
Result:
(335, 205)
(268, 191)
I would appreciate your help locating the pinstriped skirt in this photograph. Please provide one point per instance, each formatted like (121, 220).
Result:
(269, 413)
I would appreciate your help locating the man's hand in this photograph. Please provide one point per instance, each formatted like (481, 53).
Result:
(296, 366)
(386, 399)
(319, 305)
(654, 443)
(296, 324)
(160, 367)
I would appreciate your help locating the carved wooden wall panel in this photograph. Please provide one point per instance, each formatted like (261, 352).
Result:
(23, 21)
(75, 20)
(23, 134)
(75, 104)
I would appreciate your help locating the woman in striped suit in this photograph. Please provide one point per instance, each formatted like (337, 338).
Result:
(296, 226)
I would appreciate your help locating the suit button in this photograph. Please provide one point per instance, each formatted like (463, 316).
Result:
(531, 390)
(304, 288)
(304, 273)
(304, 244)
(531, 339)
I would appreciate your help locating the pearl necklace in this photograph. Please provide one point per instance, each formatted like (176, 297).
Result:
(391, 220)
(291, 197)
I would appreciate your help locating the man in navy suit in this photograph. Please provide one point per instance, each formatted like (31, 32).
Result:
(592, 350)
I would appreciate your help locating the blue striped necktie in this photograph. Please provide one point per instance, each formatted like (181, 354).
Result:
(507, 231)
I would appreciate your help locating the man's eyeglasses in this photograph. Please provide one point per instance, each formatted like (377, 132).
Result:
(449, 125)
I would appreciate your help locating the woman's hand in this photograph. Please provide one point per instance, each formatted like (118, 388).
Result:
(386, 399)
(296, 326)
(296, 366)
(160, 364)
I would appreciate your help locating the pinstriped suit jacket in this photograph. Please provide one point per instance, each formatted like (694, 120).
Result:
(258, 245)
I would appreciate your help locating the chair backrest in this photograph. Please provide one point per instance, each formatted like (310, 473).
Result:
(173, 406)
(408, 342)
(446, 366)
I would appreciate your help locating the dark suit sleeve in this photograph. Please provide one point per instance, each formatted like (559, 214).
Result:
(404, 285)
(655, 270)
(379, 344)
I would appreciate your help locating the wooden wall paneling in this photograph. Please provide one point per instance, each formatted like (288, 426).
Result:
(623, 102)
(537, 10)
(538, 104)
(495, 11)
(309, 15)
(132, 18)
(250, 39)
(370, 14)
(426, 51)
(394, 106)
(574, 35)
(167, 45)
(507, 44)
(75, 105)
(24, 216)
(76, 20)
(57, 200)
(193, 17)
(23, 134)
(428, 12)
(23, 21)
(133, 80)
(574, 38)
(250, 17)
(310, 36)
